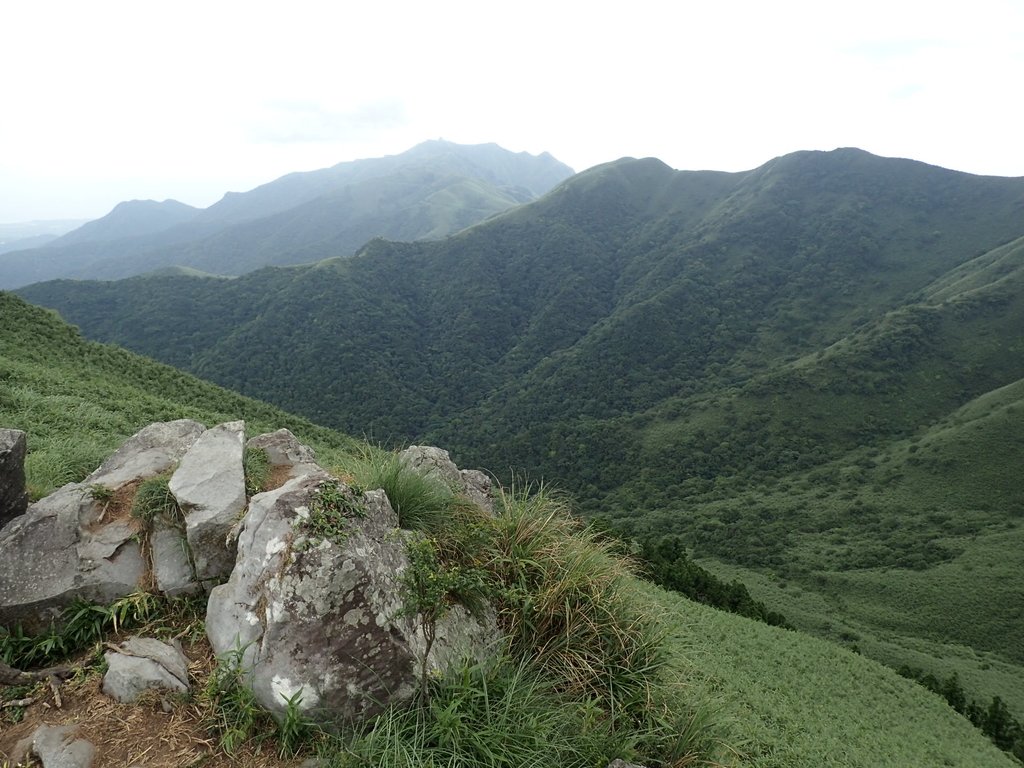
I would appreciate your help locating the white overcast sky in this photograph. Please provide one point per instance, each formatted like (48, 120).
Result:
(107, 101)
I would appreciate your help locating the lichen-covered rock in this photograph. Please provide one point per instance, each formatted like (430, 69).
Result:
(432, 461)
(13, 496)
(142, 664)
(319, 614)
(477, 487)
(209, 485)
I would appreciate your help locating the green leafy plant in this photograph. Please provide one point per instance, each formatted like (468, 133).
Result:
(430, 587)
(332, 506)
(233, 713)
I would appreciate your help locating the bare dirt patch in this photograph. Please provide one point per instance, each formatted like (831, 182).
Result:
(161, 730)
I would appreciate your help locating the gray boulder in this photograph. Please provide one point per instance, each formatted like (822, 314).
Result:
(56, 552)
(320, 619)
(209, 485)
(62, 548)
(284, 449)
(171, 560)
(435, 462)
(58, 747)
(142, 664)
(13, 496)
(149, 452)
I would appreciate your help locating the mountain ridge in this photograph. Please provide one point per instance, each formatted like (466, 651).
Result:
(300, 217)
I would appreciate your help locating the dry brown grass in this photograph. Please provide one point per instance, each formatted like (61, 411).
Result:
(158, 731)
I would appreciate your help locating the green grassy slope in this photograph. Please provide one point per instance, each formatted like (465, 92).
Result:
(796, 701)
(78, 400)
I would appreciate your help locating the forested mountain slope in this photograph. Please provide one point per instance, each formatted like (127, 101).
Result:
(774, 364)
(430, 191)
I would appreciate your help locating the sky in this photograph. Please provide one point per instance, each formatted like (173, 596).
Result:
(108, 101)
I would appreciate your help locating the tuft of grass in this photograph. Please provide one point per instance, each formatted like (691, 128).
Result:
(422, 502)
(80, 625)
(568, 600)
(154, 499)
(256, 466)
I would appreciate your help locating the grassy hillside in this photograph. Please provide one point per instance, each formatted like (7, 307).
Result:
(78, 400)
(808, 370)
(760, 696)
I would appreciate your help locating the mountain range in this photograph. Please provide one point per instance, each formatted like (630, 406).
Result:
(809, 372)
(430, 191)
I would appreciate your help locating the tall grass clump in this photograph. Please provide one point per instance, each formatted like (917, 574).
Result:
(567, 600)
(583, 658)
(154, 499)
(422, 501)
(256, 468)
(500, 714)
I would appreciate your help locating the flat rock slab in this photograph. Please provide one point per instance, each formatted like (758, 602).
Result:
(149, 452)
(143, 664)
(209, 485)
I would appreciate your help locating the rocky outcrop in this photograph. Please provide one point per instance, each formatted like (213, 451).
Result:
(436, 462)
(13, 496)
(316, 602)
(66, 547)
(209, 485)
(56, 552)
(142, 664)
(319, 614)
(284, 449)
(151, 451)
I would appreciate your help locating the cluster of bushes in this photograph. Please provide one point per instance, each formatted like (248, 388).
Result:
(995, 720)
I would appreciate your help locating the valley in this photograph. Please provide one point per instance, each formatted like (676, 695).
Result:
(810, 372)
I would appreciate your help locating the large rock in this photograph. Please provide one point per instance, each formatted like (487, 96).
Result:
(320, 620)
(13, 496)
(435, 462)
(149, 452)
(57, 746)
(209, 485)
(142, 664)
(62, 548)
(56, 552)
(284, 449)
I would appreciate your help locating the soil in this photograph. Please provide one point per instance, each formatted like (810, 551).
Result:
(160, 730)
